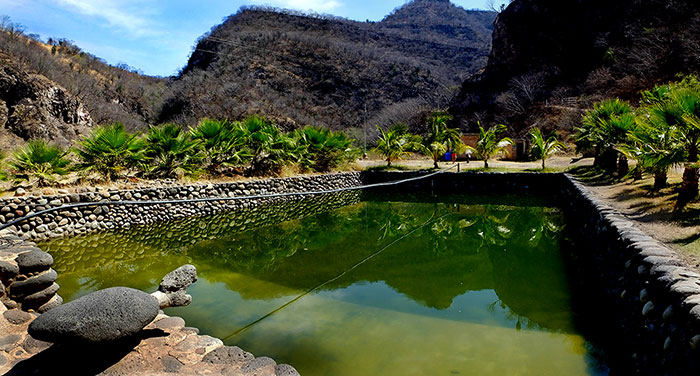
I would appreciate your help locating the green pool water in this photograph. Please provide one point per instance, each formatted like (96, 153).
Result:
(406, 285)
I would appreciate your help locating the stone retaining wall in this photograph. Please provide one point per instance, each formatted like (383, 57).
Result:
(644, 296)
(75, 221)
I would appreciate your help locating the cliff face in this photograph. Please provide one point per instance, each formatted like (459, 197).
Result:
(302, 70)
(546, 50)
(33, 107)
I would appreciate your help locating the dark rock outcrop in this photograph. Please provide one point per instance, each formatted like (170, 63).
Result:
(33, 107)
(549, 50)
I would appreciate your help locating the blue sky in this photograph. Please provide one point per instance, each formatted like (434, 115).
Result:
(156, 36)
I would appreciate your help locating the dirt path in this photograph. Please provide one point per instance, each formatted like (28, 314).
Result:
(654, 213)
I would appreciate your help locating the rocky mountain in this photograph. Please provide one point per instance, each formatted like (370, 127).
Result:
(107, 93)
(310, 69)
(32, 107)
(551, 58)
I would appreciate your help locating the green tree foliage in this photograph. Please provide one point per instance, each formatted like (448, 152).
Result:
(323, 148)
(544, 148)
(603, 128)
(395, 143)
(440, 138)
(490, 143)
(171, 152)
(222, 143)
(110, 151)
(677, 106)
(41, 161)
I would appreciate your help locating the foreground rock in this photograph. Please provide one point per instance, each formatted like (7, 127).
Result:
(105, 315)
(164, 347)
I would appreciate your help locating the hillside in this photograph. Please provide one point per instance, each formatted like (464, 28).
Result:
(302, 69)
(108, 93)
(32, 106)
(552, 57)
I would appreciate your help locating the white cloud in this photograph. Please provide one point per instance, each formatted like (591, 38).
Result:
(315, 5)
(128, 15)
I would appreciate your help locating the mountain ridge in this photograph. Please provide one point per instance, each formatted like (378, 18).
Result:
(326, 70)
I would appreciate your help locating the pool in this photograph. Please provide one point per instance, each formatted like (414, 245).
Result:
(364, 284)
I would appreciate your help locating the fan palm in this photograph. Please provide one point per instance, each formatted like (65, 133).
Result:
(110, 151)
(222, 143)
(600, 131)
(490, 143)
(544, 148)
(39, 160)
(170, 151)
(324, 148)
(656, 147)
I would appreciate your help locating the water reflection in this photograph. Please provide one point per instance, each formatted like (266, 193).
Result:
(439, 264)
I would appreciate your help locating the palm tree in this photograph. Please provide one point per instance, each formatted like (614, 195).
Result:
(434, 150)
(222, 142)
(323, 148)
(110, 151)
(689, 102)
(602, 131)
(656, 147)
(543, 149)
(441, 139)
(41, 161)
(490, 143)
(395, 143)
(171, 151)
(678, 107)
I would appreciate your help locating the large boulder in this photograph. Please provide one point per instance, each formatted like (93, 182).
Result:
(103, 316)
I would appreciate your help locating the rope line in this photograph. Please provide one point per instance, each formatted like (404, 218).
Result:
(210, 199)
(307, 292)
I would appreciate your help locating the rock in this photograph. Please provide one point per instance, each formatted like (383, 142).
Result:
(260, 366)
(33, 346)
(9, 342)
(51, 304)
(171, 364)
(20, 192)
(695, 342)
(172, 291)
(33, 284)
(62, 192)
(8, 270)
(170, 322)
(40, 297)
(47, 191)
(179, 279)
(34, 261)
(227, 355)
(285, 370)
(17, 317)
(103, 316)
